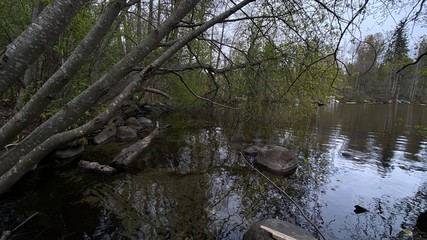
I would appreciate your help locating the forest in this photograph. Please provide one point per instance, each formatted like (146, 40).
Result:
(383, 71)
(67, 67)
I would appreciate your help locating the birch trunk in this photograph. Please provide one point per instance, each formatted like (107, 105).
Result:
(31, 157)
(59, 79)
(73, 110)
(43, 33)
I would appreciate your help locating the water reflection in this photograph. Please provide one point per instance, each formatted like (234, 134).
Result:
(192, 182)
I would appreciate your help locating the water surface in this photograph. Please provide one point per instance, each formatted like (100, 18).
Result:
(192, 182)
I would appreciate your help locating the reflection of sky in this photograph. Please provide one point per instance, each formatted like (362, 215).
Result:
(205, 190)
(209, 182)
(366, 180)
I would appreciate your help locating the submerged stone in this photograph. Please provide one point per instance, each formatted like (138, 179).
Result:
(71, 152)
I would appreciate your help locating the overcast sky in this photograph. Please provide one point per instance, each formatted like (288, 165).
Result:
(382, 20)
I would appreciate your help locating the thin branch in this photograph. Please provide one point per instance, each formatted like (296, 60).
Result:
(209, 71)
(200, 97)
(156, 91)
(189, 67)
(191, 25)
(6, 234)
(373, 62)
(412, 63)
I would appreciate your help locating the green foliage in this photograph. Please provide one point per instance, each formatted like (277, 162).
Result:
(421, 130)
(15, 16)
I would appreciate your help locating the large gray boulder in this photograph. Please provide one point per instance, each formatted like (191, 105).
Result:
(289, 231)
(275, 159)
(126, 133)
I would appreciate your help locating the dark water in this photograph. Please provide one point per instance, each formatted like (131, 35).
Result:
(192, 182)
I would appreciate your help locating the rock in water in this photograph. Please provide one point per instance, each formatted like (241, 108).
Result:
(133, 123)
(263, 230)
(275, 159)
(104, 135)
(126, 133)
(422, 222)
(145, 122)
(359, 209)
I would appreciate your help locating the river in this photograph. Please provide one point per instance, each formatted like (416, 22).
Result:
(193, 183)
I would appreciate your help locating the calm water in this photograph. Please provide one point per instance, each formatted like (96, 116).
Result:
(193, 183)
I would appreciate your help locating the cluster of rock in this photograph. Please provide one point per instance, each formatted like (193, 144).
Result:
(128, 124)
(125, 127)
(126, 131)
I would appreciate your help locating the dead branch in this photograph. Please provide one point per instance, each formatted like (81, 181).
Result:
(6, 234)
(156, 91)
(131, 153)
(97, 168)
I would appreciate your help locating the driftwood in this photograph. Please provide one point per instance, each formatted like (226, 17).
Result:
(128, 155)
(276, 234)
(97, 168)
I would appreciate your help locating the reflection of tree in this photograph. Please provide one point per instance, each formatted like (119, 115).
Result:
(201, 189)
(388, 138)
(412, 207)
(192, 183)
(378, 223)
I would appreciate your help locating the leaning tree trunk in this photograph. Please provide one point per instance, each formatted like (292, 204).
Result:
(73, 110)
(28, 160)
(61, 77)
(30, 44)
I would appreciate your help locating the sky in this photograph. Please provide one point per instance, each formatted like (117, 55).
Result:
(383, 20)
(372, 25)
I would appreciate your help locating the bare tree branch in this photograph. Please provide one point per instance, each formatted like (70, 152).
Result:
(200, 97)
(156, 91)
(412, 63)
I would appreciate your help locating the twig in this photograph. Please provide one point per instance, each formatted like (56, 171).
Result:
(26, 220)
(413, 63)
(199, 97)
(284, 193)
(6, 234)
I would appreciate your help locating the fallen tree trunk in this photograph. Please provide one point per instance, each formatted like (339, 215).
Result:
(128, 155)
(97, 168)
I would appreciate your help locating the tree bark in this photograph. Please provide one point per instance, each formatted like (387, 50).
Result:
(49, 138)
(72, 111)
(131, 153)
(54, 85)
(97, 168)
(32, 42)
(30, 73)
